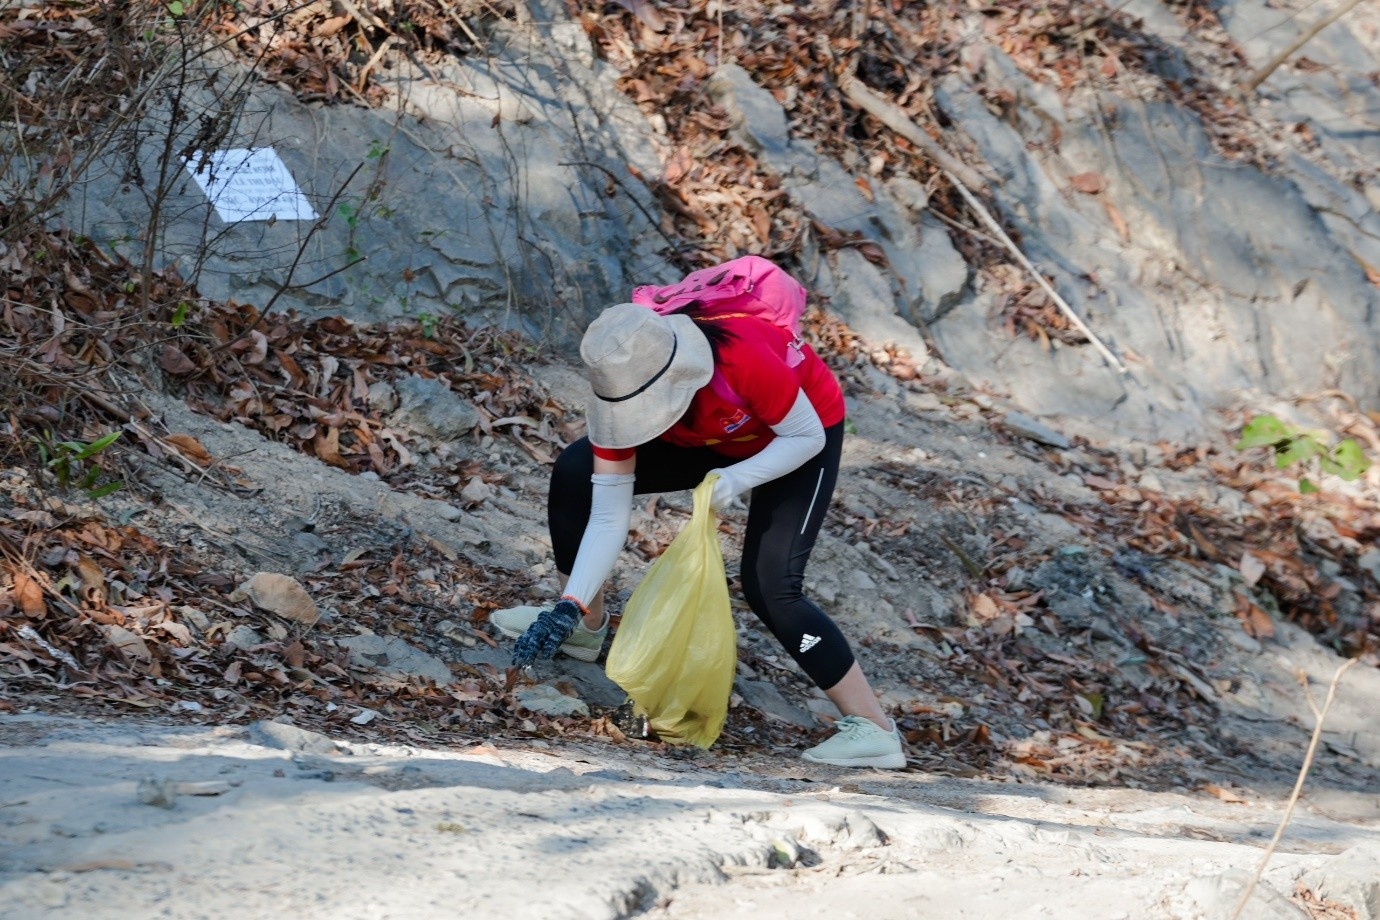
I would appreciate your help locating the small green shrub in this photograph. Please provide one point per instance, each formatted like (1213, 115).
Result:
(1291, 445)
(74, 463)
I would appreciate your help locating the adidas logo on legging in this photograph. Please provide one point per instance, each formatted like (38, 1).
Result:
(808, 642)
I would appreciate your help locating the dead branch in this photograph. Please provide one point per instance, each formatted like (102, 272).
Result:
(1253, 82)
(1015, 250)
(1319, 715)
(965, 180)
(895, 118)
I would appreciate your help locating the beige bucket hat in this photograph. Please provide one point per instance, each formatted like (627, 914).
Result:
(644, 369)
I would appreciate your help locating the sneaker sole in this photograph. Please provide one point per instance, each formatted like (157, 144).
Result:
(578, 652)
(881, 761)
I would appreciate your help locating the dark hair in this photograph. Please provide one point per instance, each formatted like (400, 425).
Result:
(716, 333)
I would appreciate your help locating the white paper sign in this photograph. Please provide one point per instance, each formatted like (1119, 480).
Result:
(249, 185)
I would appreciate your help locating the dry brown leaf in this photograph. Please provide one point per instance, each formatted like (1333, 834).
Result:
(1118, 222)
(190, 448)
(29, 593)
(1223, 793)
(92, 580)
(1255, 621)
(280, 594)
(646, 13)
(129, 644)
(327, 447)
(984, 608)
(331, 26)
(175, 361)
(1089, 183)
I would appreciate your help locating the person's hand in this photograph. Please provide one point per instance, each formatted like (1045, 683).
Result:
(726, 491)
(546, 634)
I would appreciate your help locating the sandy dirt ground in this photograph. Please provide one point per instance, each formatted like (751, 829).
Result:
(138, 819)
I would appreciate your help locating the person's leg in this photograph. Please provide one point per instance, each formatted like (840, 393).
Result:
(784, 519)
(661, 467)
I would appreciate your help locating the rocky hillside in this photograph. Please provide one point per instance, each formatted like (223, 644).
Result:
(1059, 256)
(529, 167)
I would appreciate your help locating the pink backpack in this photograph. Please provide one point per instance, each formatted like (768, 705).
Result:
(748, 285)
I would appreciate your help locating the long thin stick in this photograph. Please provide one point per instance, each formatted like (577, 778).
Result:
(1263, 74)
(1321, 714)
(1006, 241)
(895, 118)
(964, 179)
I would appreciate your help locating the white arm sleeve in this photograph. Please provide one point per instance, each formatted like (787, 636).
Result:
(607, 531)
(799, 436)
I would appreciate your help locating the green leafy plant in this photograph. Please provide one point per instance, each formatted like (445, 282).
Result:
(1291, 445)
(74, 463)
(428, 324)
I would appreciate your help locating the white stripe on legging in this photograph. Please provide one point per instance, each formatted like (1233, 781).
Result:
(818, 482)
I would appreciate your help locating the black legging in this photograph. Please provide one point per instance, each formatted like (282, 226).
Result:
(784, 517)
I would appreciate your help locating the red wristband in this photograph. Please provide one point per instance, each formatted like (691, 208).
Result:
(584, 611)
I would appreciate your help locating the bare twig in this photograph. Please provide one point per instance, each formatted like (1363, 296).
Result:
(965, 180)
(1015, 250)
(631, 197)
(895, 118)
(1320, 715)
(1253, 82)
(974, 570)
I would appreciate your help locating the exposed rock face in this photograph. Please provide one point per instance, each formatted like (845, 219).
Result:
(1227, 279)
(498, 187)
(507, 192)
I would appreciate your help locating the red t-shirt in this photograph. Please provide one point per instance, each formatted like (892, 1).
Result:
(753, 362)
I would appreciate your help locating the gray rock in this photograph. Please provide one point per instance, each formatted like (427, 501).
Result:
(310, 542)
(392, 656)
(1369, 561)
(929, 272)
(1150, 482)
(382, 397)
(288, 737)
(1282, 257)
(476, 490)
(1027, 427)
(429, 407)
(766, 699)
(824, 709)
(1217, 895)
(244, 638)
(161, 793)
(1352, 879)
(547, 699)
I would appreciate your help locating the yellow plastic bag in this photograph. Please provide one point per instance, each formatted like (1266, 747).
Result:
(676, 650)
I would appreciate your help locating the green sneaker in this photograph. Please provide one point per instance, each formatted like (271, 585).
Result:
(583, 644)
(860, 743)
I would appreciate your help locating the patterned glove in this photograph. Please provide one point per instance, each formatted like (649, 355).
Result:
(546, 634)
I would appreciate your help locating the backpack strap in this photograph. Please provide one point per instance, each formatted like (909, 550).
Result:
(795, 353)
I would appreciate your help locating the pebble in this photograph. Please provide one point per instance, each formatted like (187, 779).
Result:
(1027, 427)
(161, 793)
